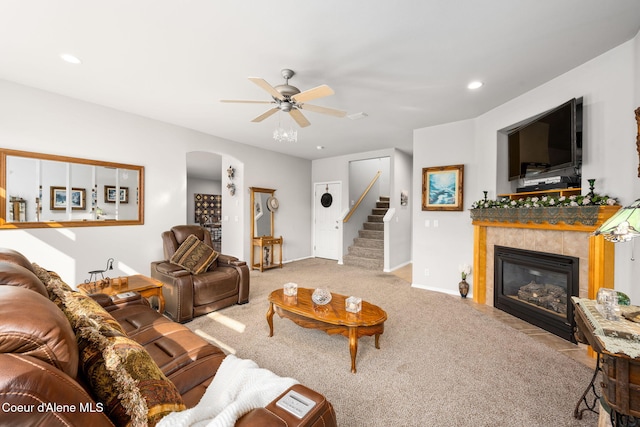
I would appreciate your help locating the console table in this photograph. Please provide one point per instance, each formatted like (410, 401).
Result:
(266, 261)
(617, 344)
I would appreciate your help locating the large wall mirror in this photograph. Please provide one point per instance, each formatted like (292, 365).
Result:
(42, 190)
(262, 200)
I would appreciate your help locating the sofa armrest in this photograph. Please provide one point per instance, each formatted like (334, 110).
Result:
(230, 260)
(322, 414)
(243, 273)
(166, 267)
(103, 299)
(111, 303)
(177, 289)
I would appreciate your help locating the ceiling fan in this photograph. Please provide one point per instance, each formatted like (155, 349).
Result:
(289, 99)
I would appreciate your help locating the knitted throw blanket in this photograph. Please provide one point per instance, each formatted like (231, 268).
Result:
(238, 387)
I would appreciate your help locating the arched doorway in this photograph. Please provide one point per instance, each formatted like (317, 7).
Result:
(204, 193)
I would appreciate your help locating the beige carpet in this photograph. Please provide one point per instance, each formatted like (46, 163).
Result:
(441, 363)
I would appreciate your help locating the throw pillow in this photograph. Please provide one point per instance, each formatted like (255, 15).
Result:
(120, 372)
(194, 255)
(78, 306)
(124, 377)
(54, 284)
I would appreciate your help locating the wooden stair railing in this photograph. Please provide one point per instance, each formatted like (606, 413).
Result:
(364, 193)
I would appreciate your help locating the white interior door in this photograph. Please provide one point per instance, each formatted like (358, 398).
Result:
(327, 200)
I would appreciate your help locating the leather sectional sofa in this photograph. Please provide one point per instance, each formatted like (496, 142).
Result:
(72, 360)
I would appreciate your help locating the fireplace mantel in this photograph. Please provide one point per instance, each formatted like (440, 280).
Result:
(545, 237)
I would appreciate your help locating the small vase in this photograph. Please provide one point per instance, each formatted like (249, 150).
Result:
(463, 286)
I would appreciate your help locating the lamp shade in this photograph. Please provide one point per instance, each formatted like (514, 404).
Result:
(623, 226)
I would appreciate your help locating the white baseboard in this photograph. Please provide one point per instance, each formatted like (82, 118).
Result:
(441, 290)
(386, 270)
(297, 259)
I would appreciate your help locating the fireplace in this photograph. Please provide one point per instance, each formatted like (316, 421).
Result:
(537, 287)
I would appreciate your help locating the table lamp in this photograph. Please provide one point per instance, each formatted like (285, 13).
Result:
(623, 226)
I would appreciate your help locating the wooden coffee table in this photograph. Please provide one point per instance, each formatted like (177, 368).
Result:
(145, 286)
(331, 318)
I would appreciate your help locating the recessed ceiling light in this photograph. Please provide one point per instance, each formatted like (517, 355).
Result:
(475, 85)
(320, 147)
(71, 59)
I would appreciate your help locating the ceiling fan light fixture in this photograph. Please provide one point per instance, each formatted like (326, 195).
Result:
(285, 106)
(285, 135)
(288, 99)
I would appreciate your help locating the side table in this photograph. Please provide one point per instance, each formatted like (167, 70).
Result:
(145, 286)
(617, 345)
(269, 243)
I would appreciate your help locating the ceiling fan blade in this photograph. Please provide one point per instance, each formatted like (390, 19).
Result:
(323, 110)
(315, 93)
(266, 86)
(246, 101)
(266, 114)
(300, 119)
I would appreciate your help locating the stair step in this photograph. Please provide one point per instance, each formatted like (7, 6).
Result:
(385, 198)
(368, 263)
(377, 226)
(371, 234)
(382, 205)
(375, 218)
(368, 243)
(374, 253)
(379, 211)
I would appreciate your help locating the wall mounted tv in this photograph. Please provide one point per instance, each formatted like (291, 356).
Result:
(546, 144)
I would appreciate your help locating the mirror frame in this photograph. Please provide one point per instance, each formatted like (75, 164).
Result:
(4, 224)
(255, 190)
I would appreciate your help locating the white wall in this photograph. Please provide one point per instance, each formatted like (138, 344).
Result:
(607, 84)
(401, 225)
(443, 240)
(34, 120)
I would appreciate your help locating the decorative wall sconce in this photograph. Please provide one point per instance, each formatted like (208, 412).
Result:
(231, 186)
(404, 198)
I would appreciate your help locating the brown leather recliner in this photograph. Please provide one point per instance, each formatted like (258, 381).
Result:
(187, 295)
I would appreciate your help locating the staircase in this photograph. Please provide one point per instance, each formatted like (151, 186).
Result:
(367, 250)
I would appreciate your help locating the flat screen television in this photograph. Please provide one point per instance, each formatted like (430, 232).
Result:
(546, 144)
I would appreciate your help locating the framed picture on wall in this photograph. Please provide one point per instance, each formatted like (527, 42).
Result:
(442, 188)
(58, 198)
(110, 194)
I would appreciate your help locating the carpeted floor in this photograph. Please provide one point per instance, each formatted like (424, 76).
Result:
(440, 362)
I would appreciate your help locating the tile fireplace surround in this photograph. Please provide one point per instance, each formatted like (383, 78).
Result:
(596, 255)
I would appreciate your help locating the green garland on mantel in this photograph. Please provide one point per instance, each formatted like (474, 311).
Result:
(568, 209)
